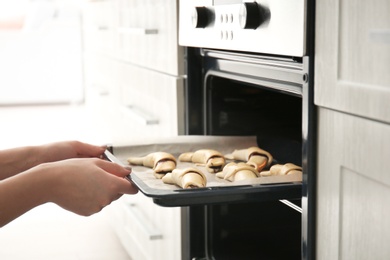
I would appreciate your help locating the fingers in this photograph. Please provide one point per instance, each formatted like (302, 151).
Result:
(124, 186)
(113, 168)
(88, 150)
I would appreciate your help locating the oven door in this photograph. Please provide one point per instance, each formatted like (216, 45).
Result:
(246, 94)
(238, 95)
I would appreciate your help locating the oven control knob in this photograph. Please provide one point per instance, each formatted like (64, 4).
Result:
(200, 17)
(251, 15)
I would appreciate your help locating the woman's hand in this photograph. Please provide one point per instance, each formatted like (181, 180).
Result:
(82, 185)
(85, 186)
(69, 149)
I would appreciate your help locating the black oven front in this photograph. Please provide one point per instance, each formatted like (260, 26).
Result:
(249, 72)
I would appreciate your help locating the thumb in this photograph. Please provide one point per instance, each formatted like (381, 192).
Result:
(126, 187)
(114, 168)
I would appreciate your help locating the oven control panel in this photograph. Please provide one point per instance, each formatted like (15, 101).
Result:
(265, 26)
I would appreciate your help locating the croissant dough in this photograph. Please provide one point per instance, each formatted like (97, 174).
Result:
(213, 160)
(160, 162)
(280, 169)
(238, 171)
(254, 156)
(186, 178)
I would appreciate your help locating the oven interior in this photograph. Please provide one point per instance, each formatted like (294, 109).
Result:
(250, 230)
(275, 118)
(261, 230)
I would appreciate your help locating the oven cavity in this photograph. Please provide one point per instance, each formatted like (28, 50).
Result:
(236, 108)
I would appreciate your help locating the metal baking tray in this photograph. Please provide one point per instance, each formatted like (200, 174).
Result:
(217, 191)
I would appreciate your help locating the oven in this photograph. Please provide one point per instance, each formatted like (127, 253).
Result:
(249, 72)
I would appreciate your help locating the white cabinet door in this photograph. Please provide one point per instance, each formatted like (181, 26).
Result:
(99, 28)
(133, 102)
(147, 33)
(352, 61)
(147, 231)
(151, 103)
(353, 57)
(353, 187)
(102, 89)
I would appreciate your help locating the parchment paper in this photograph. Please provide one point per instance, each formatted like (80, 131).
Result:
(181, 144)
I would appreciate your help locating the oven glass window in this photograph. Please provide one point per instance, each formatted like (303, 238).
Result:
(266, 230)
(237, 108)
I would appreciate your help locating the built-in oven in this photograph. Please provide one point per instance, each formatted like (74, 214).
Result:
(249, 72)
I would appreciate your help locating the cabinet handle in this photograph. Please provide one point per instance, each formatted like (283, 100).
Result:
(139, 115)
(151, 232)
(136, 31)
(97, 28)
(101, 91)
(102, 28)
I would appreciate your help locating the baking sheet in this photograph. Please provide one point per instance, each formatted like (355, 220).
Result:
(172, 195)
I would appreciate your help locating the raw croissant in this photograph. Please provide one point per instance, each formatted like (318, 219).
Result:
(280, 169)
(254, 156)
(238, 171)
(160, 162)
(213, 160)
(186, 178)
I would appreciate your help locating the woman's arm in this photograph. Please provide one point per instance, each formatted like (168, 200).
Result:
(83, 186)
(16, 160)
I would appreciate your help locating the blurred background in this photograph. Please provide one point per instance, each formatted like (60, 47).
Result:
(41, 75)
(41, 101)
(40, 52)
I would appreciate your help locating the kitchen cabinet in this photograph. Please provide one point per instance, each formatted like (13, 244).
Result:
(102, 87)
(134, 74)
(148, 34)
(353, 57)
(151, 102)
(147, 231)
(134, 79)
(353, 187)
(352, 90)
(99, 28)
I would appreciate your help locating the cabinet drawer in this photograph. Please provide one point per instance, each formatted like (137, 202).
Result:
(102, 94)
(100, 80)
(99, 27)
(148, 36)
(148, 231)
(151, 103)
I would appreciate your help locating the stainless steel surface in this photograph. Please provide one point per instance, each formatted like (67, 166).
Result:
(280, 26)
(279, 74)
(291, 205)
(110, 157)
